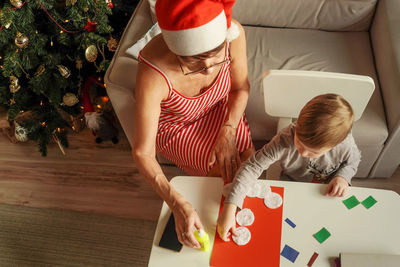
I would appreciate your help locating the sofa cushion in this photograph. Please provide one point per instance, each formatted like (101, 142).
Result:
(331, 15)
(300, 49)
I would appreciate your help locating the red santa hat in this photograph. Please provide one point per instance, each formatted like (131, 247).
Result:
(192, 27)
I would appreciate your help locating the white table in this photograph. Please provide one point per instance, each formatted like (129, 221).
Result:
(358, 230)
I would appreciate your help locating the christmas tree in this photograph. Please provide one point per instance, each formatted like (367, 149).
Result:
(47, 49)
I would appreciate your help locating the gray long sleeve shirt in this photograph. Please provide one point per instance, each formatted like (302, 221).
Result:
(342, 160)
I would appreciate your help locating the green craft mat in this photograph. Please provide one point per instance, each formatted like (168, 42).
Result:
(369, 202)
(351, 202)
(322, 235)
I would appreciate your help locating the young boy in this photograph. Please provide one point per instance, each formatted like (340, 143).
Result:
(318, 147)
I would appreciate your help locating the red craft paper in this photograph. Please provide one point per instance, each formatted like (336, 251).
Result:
(265, 244)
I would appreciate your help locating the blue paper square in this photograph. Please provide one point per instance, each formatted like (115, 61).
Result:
(290, 253)
(288, 221)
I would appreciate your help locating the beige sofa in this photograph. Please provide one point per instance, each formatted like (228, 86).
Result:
(346, 36)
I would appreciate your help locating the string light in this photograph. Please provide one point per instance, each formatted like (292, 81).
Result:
(61, 32)
(48, 14)
(43, 123)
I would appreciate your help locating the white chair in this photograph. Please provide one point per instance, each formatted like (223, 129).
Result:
(287, 91)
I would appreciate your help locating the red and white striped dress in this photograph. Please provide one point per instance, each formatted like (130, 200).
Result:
(188, 126)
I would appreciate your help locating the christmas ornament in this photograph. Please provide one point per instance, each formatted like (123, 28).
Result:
(70, 99)
(14, 84)
(16, 3)
(110, 3)
(70, 2)
(64, 71)
(112, 44)
(21, 134)
(86, 9)
(21, 40)
(40, 70)
(91, 26)
(91, 53)
(101, 126)
(79, 64)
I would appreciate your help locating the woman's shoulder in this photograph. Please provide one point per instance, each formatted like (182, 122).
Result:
(156, 50)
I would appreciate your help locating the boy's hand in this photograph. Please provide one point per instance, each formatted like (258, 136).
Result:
(337, 187)
(227, 221)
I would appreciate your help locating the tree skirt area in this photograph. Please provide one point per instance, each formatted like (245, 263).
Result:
(45, 237)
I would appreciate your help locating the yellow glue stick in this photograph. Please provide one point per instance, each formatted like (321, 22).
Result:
(203, 239)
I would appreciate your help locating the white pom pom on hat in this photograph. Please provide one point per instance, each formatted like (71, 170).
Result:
(192, 27)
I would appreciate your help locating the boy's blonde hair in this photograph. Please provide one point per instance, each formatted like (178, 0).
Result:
(325, 121)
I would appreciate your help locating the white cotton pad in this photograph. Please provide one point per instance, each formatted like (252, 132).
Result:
(264, 191)
(255, 190)
(227, 189)
(245, 217)
(273, 200)
(243, 237)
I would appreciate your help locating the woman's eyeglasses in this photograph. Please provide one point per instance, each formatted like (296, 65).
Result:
(203, 68)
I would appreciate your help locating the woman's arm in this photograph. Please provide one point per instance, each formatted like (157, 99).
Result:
(225, 152)
(149, 92)
(240, 81)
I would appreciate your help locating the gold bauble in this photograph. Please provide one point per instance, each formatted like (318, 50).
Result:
(14, 84)
(64, 71)
(16, 3)
(91, 53)
(40, 70)
(21, 40)
(70, 99)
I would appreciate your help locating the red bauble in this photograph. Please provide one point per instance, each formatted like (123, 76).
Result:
(110, 4)
(91, 26)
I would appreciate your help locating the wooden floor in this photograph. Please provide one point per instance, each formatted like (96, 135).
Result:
(94, 178)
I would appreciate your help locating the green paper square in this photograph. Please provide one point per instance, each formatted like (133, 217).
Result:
(322, 235)
(369, 202)
(351, 202)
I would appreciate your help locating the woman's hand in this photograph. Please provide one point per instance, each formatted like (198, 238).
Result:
(225, 153)
(337, 187)
(186, 220)
(227, 222)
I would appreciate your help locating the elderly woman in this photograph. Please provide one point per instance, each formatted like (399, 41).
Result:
(191, 92)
